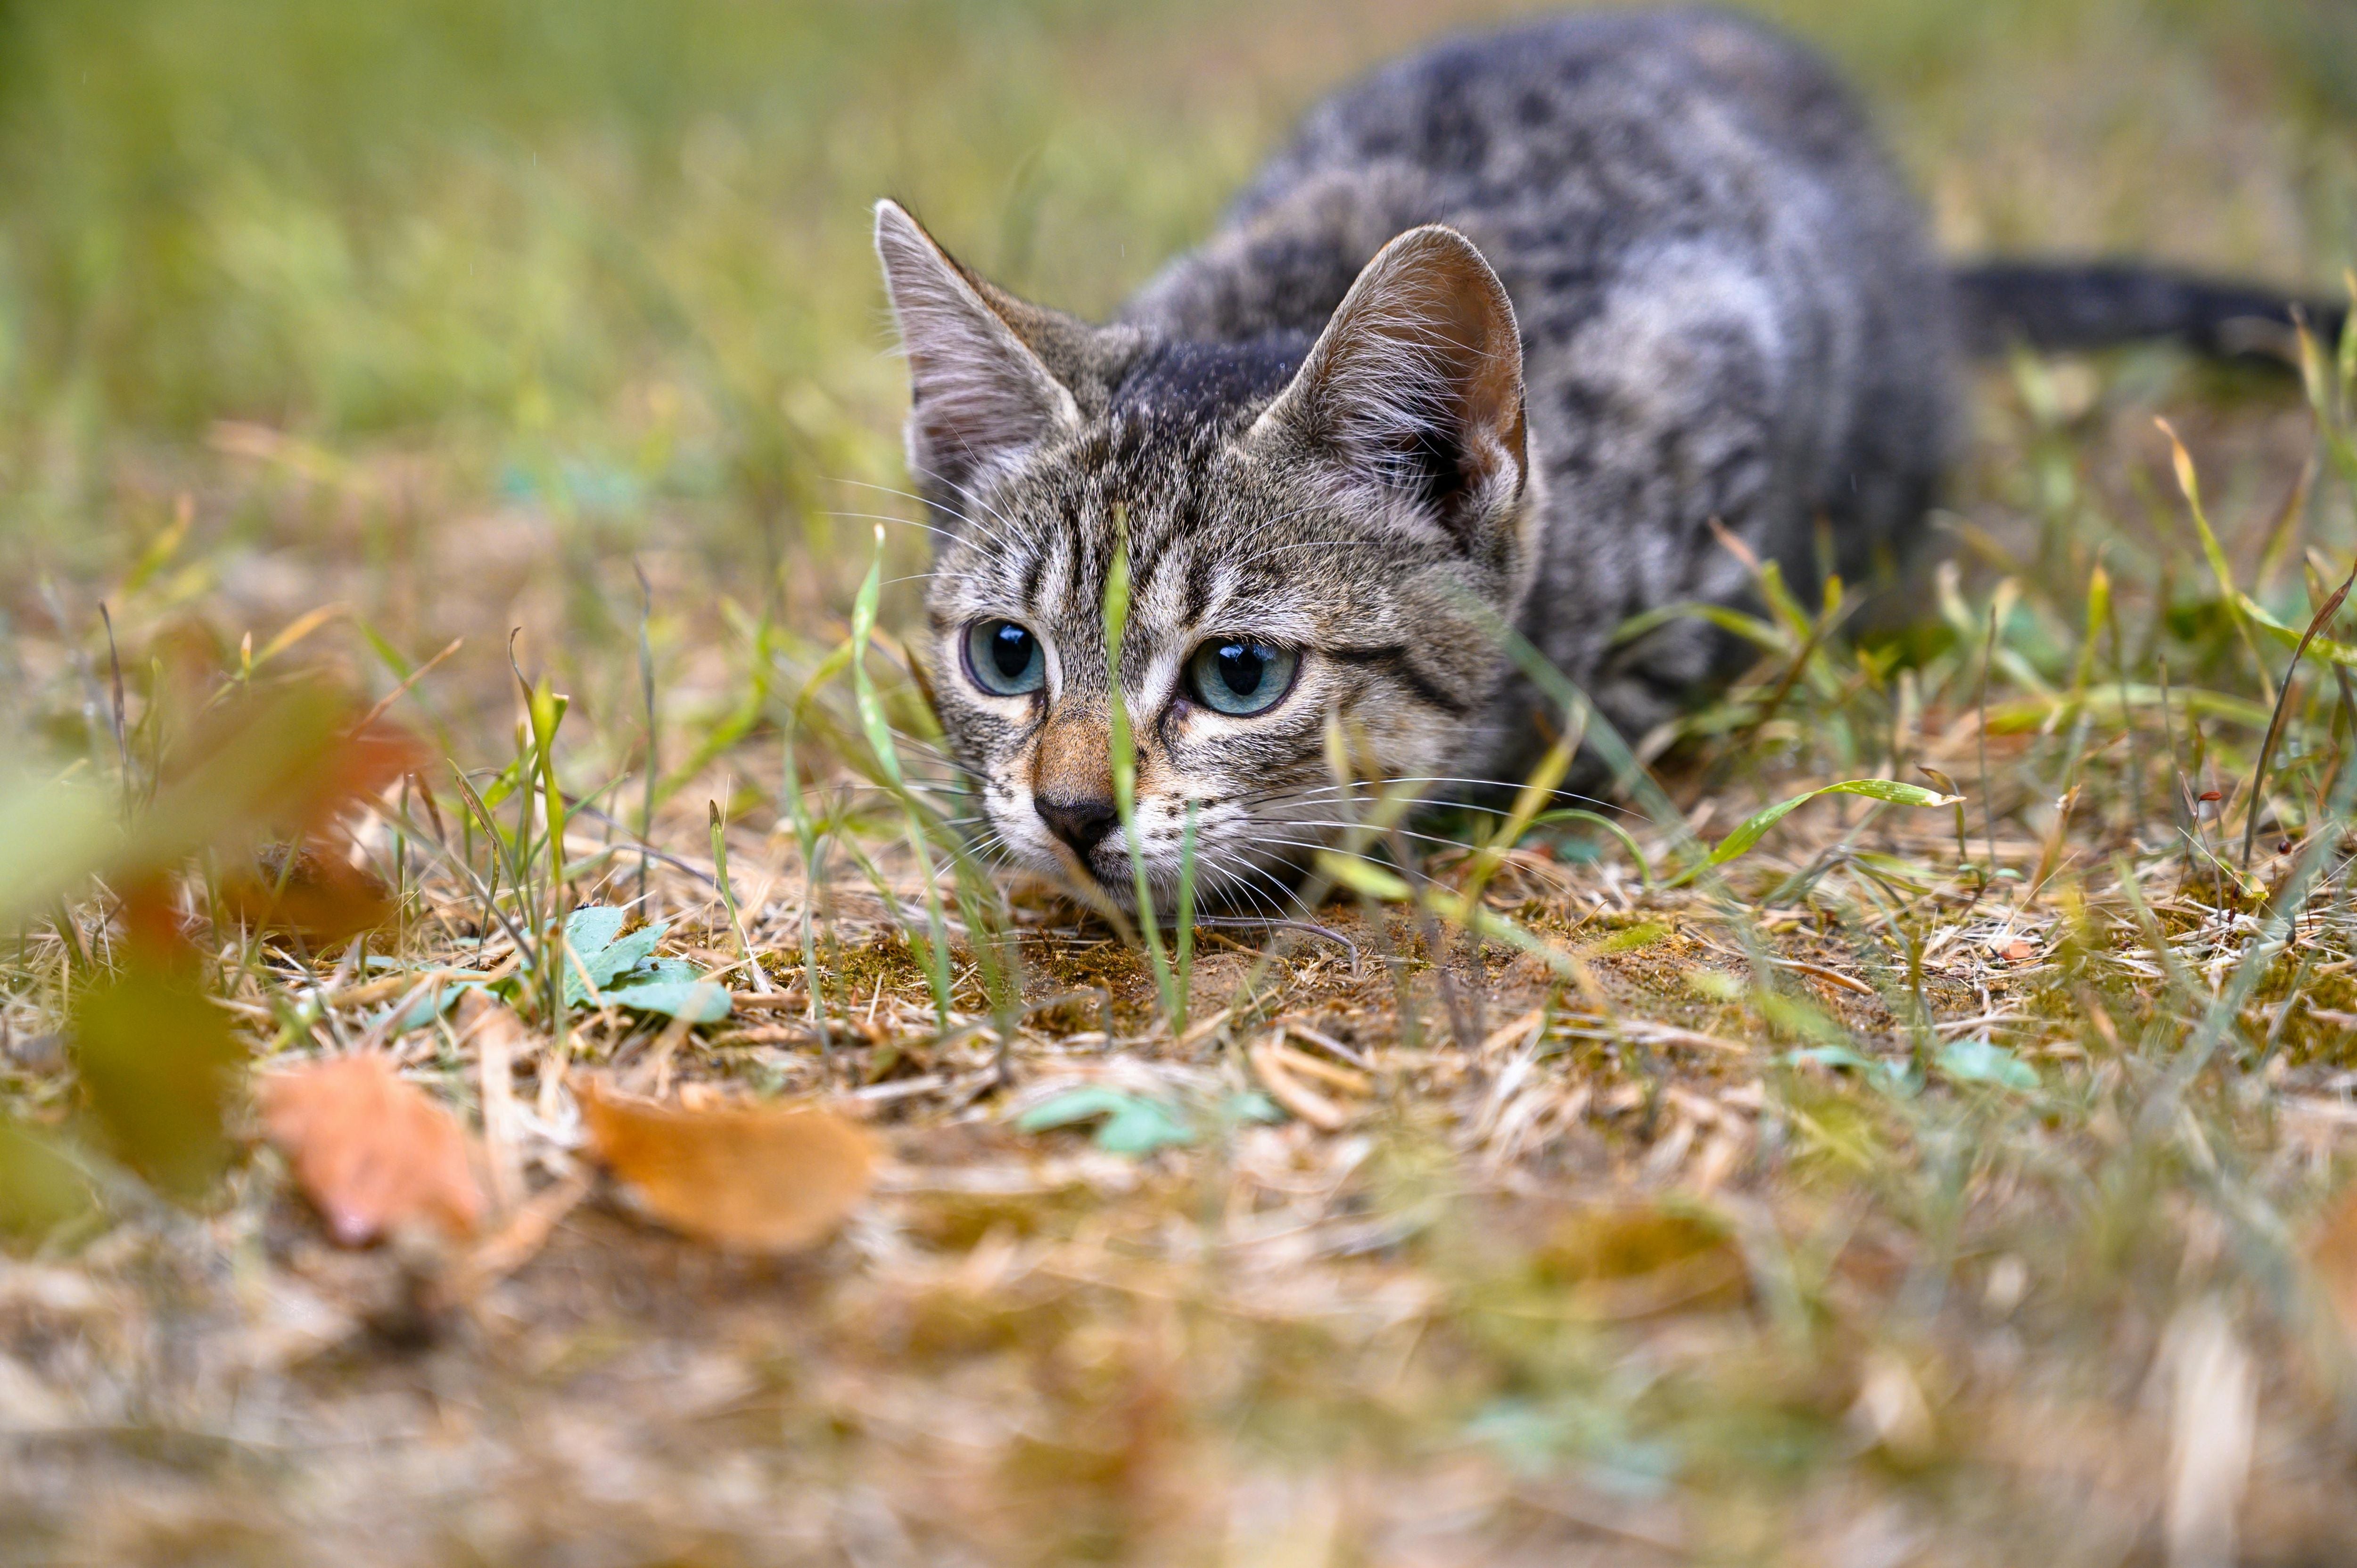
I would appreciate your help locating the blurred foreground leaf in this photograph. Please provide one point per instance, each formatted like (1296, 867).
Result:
(286, 763)
(41, 1188)
(160, 1067)
(762, 1179)
(369, 1150)
(319, 896)
(1620, 1261)
(2332, 1254)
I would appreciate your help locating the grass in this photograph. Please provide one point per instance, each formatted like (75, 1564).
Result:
(1713, 1176)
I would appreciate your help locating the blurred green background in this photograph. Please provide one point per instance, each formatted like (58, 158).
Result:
(352, 275)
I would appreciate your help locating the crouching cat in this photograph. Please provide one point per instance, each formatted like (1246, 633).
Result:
(1508, 335)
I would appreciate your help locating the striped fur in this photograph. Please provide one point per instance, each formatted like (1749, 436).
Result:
(1503, 333)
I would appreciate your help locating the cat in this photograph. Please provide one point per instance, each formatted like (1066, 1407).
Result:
(1548, 327)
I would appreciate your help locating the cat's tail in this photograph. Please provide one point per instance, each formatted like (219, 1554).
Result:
(2064, 305)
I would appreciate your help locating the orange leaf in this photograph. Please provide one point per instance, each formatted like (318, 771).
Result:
(319, 896)
(371, 1151)
(2018, 951)
(761, 1177)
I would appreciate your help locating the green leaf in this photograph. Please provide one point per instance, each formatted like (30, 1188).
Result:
(1133, 1124)
(627, 973)
(1979, 1061)
(697, 1001)
(1141, 1127)
(435, 1002)
(1896, 1074)
(669, 971)
(607, 958)
(1071, 1106)
(592, 928)
(636, 949)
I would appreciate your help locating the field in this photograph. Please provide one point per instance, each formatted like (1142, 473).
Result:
(450, 481)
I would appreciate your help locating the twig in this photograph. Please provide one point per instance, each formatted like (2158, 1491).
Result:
(407, 682)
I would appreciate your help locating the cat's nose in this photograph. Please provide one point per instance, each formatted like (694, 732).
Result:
(1081, 822)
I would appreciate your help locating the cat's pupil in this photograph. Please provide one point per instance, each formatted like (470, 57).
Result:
(1242, 666)
(1238, 677)
(1010, 650)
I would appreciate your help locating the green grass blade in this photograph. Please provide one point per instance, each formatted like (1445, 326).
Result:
(887, 759)
(1752, 829)
(1124, 771)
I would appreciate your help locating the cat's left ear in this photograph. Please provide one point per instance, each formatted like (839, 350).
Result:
(980, 382)
(1414, 389)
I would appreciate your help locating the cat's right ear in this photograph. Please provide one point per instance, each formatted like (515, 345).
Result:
(1414, 391)
(980, 394)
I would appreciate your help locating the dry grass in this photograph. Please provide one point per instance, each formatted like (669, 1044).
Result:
(1887, 1201)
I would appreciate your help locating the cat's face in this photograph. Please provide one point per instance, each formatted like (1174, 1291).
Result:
(1314, 535)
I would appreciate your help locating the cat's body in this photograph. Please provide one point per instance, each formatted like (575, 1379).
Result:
(1339, 443)
(1726, 308)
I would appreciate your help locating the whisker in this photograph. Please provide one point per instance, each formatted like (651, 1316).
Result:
(1434, 840)
(968, 494)
(887, 517)
(1376, 788)
(976, 523)
(1239, 870)
(1244, 868)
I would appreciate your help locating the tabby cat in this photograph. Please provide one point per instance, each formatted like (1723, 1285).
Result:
(1519, 330)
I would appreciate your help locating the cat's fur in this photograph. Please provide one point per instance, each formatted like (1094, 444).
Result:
(1503, 334)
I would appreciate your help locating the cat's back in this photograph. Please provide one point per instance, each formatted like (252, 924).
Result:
(1562, 147)
(1625, 96)
(1730, 312)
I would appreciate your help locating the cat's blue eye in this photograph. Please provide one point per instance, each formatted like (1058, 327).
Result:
(1239, 676)
(1005, 658)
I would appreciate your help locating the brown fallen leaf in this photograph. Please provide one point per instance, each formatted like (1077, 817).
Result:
(307, 891)
(761, 1177)
(371, 1151)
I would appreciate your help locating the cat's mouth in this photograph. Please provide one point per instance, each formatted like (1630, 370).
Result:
(1226, 880)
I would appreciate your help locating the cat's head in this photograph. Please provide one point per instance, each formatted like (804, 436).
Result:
(1315, 531)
